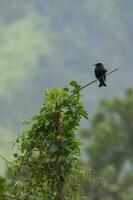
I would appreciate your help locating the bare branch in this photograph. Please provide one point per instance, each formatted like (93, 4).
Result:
(7, 163)
(88, 84)
(5, 160)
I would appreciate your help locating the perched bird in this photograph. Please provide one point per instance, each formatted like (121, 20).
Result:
(100, 71)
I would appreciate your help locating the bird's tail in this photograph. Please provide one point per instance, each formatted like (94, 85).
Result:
(102, 83)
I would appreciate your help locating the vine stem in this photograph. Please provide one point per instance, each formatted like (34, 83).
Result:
(88, 84)
(58, 132)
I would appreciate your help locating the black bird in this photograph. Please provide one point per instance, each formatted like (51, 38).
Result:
(100, 71)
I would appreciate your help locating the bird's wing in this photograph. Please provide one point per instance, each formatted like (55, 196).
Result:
(97, 72)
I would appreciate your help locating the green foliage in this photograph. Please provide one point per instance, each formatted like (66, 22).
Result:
(48, 151)
(2, 189)
(110, 151)
(33, 35)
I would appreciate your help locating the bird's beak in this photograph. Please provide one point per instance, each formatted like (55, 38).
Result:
(94, 64)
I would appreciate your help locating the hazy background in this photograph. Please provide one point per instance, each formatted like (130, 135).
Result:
(47, 43)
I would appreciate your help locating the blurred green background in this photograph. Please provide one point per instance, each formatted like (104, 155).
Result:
(47, 43)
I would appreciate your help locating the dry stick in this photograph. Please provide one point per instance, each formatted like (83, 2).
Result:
(88, 84)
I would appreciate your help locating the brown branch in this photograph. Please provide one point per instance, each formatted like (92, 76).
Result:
(58, 133)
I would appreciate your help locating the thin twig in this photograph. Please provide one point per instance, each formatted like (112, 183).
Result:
(7, 163)
(5, 160)
(88, 84)
(14, 142)
(12, 197)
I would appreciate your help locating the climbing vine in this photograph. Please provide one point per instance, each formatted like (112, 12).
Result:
(46, 164)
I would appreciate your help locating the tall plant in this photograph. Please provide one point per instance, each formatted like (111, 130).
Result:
(47, 162)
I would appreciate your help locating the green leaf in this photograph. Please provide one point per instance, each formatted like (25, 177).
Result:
(73, 83)
(84, 114)
(15, 155)
(66, 89)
